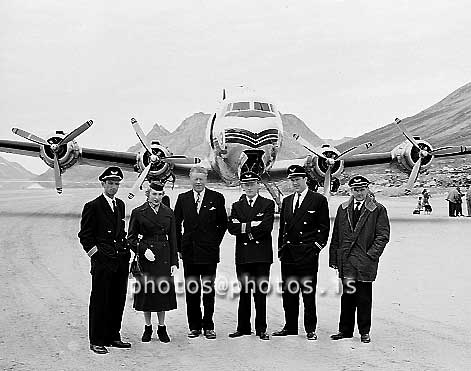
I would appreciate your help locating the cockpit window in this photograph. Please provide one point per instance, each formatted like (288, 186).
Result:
(261, 106)
(228, 108)
(240, 106)
(272, 107)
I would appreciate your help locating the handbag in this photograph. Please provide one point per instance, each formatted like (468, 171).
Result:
(135, 268)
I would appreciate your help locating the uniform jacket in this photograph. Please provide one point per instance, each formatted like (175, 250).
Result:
(302, 236)
(101, 228)
(158, 234)
(255, 245)
(202, 233)
(362, 247)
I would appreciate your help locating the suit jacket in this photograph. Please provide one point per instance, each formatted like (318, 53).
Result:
(158, 235)
(303, 235)
(202, 233)
(254, 245)
(101, 228)
(356, 252)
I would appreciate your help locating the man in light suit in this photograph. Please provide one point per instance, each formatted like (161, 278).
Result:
(102, 236)
(251, 221)
(304, 230)
(202, 213)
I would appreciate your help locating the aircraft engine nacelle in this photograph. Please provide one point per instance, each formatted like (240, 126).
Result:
(319, 165)
(407, 155)
(160, 170)
(67, 154)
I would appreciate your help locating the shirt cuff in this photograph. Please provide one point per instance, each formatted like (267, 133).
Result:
(318, 245)
(92, 251)
(243, 227)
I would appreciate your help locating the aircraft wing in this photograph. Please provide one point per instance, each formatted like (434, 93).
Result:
(368, 159)
(279, 169)
(20, 148)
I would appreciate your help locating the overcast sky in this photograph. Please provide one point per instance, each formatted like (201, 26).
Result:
(343, 67)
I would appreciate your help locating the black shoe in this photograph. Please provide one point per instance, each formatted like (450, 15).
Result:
(98, 349)
(162, 334)
(263, 336)
(147, 335)
(194, 333)
(238, 333)
(210, 334)
(119, 344)
(311, 336)
(365, 338)
(284, 332)
(340, 335)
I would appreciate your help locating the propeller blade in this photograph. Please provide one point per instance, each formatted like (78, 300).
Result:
(139, 181)
(33, 138)
(355, 150)
(409, 137)
(327, 182)
(142, 137)
(447, 150)
(413, 174)
(308, 145)
(75, 133)
(57, 175)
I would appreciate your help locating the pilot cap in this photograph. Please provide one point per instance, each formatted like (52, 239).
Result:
(156, 186)
(358, 181)
(113, 172)
(249, 176)
(296, 170)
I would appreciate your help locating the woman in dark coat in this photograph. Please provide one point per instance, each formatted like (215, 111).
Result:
(152, 235)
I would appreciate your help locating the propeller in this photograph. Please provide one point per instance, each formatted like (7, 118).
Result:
(55, 147)
(330, 162)
(423, 153)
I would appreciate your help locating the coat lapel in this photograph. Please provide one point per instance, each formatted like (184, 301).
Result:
(106, 206)
(302, 208)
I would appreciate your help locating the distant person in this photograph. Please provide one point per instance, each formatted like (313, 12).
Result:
(152, 236)
(251, 221)
(303, 233)
(453, 197)
(468, 200)
(102, 236)
(361, 232)
(202, 214)
(426, 201)
(418, 207)
(459, 202)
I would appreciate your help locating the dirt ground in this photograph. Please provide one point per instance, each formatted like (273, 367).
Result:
(421, 305)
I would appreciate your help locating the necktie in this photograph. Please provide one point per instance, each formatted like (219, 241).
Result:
(198, 202)
(356, 213)
(296, 206)
(250, 202)
(115, 209)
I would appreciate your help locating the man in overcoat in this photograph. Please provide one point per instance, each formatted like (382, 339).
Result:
(304, 230)
(361, 232)
(202, 214)
(251, 221)
(102, 236)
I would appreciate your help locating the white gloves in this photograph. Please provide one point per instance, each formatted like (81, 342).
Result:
(149, 255)
(173, 270)
(255, 223)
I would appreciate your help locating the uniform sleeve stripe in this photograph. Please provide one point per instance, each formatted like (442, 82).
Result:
(92, 251)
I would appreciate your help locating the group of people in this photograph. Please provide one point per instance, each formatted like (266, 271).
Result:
(192, 233)
(455, 202)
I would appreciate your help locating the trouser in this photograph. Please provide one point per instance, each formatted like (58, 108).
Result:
(451, 208)
(199, 278)
(253, 277)
(298, 278)
(468, 202)
(107, 299)
(459, 209)
(356, 296)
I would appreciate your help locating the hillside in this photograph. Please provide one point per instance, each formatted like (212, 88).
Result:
(12, 170)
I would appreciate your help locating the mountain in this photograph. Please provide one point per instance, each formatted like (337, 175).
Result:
(447, 122)
(12, 170)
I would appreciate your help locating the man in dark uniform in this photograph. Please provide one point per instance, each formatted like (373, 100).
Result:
(203, 214)
(102, 236)
(251, 221)
(361, 232)
(304, 230)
